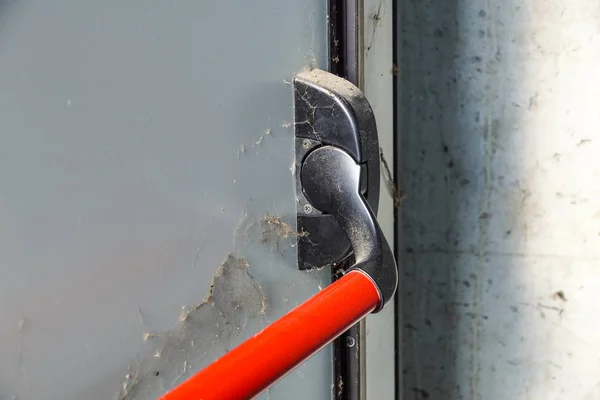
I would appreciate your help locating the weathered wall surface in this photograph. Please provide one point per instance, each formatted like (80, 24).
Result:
(500, 165)
(140, 144)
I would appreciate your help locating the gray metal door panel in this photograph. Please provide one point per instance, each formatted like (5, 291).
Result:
(140, 144)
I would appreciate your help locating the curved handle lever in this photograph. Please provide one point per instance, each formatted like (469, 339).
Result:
(331, 182)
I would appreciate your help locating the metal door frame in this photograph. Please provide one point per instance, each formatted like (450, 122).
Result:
(361, 44)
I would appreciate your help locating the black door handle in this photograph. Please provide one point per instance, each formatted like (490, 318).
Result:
(337, 179)
(331, 182)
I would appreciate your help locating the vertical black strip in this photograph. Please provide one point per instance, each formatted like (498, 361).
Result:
(399, 370)
(348, 350)
(351, 41)
(337, 53)
(344, 40)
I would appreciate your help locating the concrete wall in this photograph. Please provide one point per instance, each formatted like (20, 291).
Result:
(500, 164)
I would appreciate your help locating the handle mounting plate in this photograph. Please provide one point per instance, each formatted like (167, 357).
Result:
(337, 179)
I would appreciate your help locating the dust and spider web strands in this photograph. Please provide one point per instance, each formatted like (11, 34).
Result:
(376, 19)
(266, 133)
(205, 332)
(241, 150)
(19, 350)
(305, 95)
(397, 195)
(340, 387)
(274, 229)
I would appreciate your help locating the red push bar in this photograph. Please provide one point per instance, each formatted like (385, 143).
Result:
(266, 357)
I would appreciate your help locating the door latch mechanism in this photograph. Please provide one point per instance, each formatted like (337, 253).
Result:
(337, 180)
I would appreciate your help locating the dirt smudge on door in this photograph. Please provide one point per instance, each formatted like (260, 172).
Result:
(205, 331)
